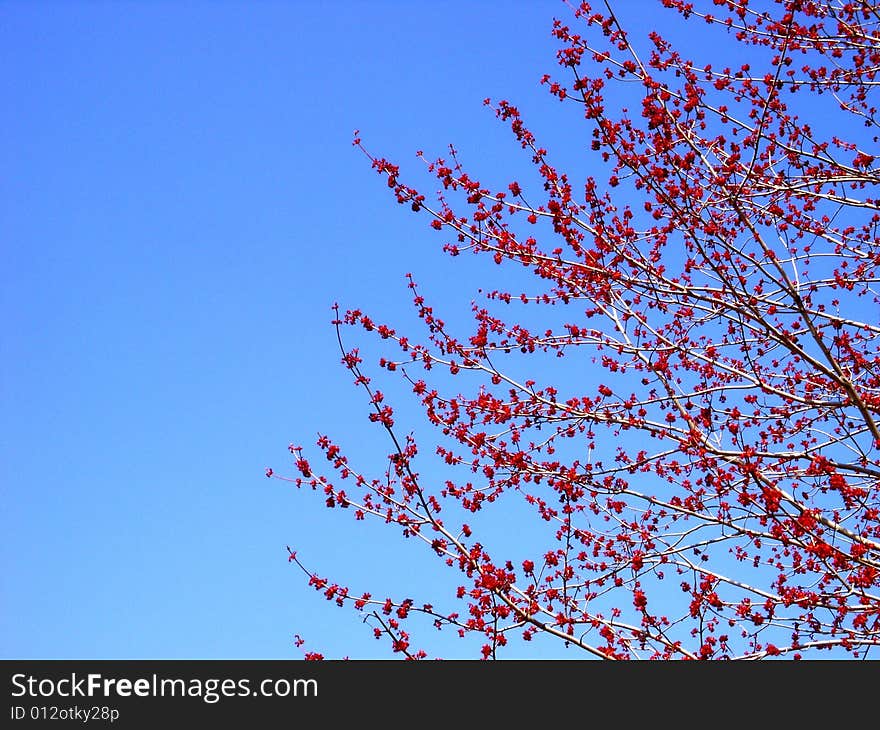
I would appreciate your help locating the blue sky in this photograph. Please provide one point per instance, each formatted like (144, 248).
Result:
(180, 206)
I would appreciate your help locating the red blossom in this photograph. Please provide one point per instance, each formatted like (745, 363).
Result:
(687, 392)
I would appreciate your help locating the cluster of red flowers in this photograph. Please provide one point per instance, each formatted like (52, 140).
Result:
(721, 283)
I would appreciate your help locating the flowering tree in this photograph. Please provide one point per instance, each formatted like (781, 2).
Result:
(713, 491)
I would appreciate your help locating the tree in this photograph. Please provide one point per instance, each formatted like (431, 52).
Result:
(716, 494)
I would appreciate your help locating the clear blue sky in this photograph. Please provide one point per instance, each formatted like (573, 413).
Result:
(180, 205)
